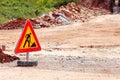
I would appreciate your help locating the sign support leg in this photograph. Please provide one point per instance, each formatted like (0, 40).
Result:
(27, 56)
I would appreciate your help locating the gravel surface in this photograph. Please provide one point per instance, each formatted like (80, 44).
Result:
(88, 51)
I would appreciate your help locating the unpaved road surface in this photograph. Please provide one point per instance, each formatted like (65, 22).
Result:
(89, 51)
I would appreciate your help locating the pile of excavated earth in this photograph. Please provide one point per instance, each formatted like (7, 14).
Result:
(4, 58)
(63, 15)
(16, 24)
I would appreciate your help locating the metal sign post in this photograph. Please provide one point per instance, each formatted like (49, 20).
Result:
(27, 62)
(27, 56)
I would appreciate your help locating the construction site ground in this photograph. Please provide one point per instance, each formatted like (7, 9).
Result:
(79, 51)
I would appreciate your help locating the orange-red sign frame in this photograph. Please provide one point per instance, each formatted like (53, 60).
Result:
(18, 49)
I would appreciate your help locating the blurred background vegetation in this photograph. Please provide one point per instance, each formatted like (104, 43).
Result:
(10, 9)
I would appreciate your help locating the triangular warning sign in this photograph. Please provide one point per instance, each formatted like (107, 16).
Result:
(28, 41)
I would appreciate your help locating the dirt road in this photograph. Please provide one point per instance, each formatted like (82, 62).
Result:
(89, 51)
(37, 74)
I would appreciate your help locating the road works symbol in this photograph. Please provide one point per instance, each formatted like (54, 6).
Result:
(28, 41)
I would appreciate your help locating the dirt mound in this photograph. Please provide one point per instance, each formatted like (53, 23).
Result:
(95, 3)
(63, 15)
(4, 58)
(70, 13)
(16, 24)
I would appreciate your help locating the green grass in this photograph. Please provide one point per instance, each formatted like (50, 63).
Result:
(10, 9)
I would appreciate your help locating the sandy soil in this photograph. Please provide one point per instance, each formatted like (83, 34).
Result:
(89, 51)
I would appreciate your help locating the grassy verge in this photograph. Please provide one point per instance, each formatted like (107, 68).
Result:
(10, 9)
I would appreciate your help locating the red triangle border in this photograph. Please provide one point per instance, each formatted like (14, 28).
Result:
(17, 49)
